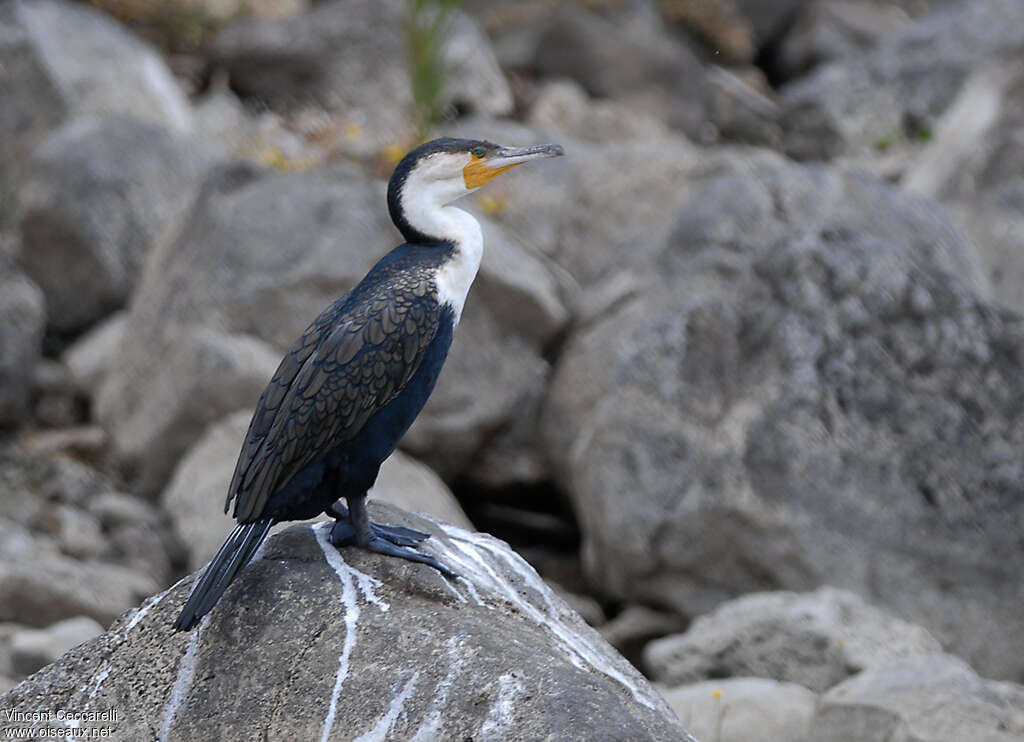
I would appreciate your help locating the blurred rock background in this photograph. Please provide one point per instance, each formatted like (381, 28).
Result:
(741, 376)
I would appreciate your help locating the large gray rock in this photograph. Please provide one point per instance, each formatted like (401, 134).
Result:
(35, 648)
(630, 57)
(819, 395)
(974, 164)
(41, 589)
(744, 709)
(350, 57)
(887, 99)
(194, 497)
(342, 643)
(921, 699)
(59, 60)
(22, 321)
(815, 639)
(97, 196)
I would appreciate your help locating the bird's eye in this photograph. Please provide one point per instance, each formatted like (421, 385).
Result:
(478, 152)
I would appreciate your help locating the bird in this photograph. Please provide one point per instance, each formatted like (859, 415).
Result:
(357, 377)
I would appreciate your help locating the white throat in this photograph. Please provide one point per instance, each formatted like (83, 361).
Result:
(425, 211)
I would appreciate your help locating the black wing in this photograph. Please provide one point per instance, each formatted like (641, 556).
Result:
(354, 359)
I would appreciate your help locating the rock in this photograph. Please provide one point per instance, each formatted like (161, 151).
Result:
(598, 213)
(635, 61)
(815, 639)
(341, 55)
(887, 100)
(137, 534)
(410, 485)
(819, 393)
(85, 442)
(153, 420)
(35, 648)
(22, 320)
(635, 626)
(60, 60)
(924, 699)
(831, 30)
(48, 588)
(973, 164)
(490, 375)
(57, 403)
(89, 357)
(78, 533)
(743, 709)
(185, 15)
(194, 498)
(341, 643)
(98, 195)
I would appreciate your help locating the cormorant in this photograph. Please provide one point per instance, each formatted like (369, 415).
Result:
(351, 386)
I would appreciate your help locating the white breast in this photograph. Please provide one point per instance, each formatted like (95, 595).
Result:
(456, 275)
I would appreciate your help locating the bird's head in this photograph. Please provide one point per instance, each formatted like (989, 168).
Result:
(443, 170)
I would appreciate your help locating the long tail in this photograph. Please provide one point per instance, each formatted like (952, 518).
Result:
(235, 553)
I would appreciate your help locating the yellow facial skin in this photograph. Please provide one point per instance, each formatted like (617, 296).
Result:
(476, 172)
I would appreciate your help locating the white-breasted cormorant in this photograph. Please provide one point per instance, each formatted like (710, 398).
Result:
(351, 386)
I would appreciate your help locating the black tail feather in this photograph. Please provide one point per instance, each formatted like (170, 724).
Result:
(234, 554)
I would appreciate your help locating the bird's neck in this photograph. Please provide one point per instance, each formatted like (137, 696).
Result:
(456, 274)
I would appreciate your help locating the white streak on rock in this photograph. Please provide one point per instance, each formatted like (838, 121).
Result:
(182, 684)
(500, 719)
(428, 729)
(383, 728)
(350, 579)
(578, 647)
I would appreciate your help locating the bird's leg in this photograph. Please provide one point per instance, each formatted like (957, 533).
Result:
(343, 533)
(380, 538)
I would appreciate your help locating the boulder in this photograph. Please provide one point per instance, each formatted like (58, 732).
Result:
(630, 57)
(315, 642)
(60, 60)
(97, 196)
(921, 699)
(816, 392)
(90, 356)
(887, 100)
(350, 58)
(194, 497)
(22, 321)
(973, 164)
(815, 639)
(831, 30)
(744, 709)
(34, 648)
(44, 588)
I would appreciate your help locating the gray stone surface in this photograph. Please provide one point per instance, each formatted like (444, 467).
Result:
(313, 642)
(888, 98)
(815, 639)
(98, 194)
(821, 394)
(90, 356)
(194, 497)
(32, 649)
(630, 57)
(62, 59)
(342, 56)
(744, 709)
(40, 589)
(921, 699)
(22, 321)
